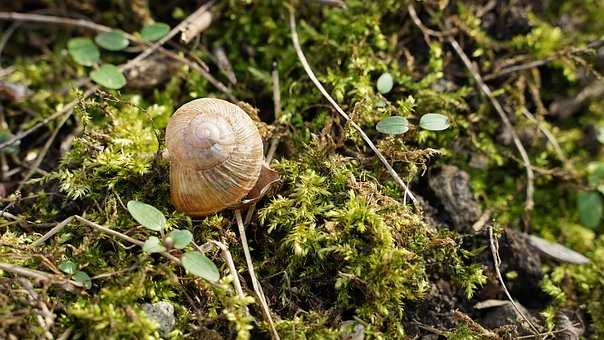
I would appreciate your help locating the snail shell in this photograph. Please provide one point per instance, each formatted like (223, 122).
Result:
(216, 156)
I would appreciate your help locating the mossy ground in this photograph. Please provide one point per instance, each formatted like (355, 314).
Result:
(334, 242)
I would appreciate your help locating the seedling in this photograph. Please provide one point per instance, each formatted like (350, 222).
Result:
(193, 261)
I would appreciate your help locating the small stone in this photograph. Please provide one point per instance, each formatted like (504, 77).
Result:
(163, 313)
(506, 315)
(452, 187)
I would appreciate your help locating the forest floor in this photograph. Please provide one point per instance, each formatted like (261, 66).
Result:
(440, 162)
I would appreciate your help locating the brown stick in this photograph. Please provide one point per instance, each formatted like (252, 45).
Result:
(101, 228)
(275, 140)
(250, 267)
(36, 274)
(521, 67)
(497, 262)
(313, 78)
(44, 151)
(530, 187)
(66, 109)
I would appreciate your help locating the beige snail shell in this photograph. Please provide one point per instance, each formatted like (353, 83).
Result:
(216, 156)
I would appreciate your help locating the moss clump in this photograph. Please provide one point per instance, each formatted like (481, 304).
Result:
(364, 252)
(335, 243)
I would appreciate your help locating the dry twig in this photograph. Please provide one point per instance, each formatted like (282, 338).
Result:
(37, 274)
(496, 263)
(317, 83)
(100, 228)
(45, 318)
(255, 283)
(530, 187)
(275, 140)
(537, 63)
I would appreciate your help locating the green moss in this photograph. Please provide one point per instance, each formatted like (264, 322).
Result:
(335, 242)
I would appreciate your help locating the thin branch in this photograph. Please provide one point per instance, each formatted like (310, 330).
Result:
(497, 262)
(45, 317)
(250, 266)
(64, 110)
(52, 231)
(275, 140)
(228, 258)
(13, 16)
(530, 187)
(426, 30)
(44, 151)
(548, 134)
(313, 78)
(36, 274)
(101, 228)
(521, 67)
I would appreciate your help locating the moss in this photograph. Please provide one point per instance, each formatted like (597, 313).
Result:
(335, 242)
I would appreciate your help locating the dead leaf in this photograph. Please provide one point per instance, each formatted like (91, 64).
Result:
(490, 303)
(556, 250)
(267, 178)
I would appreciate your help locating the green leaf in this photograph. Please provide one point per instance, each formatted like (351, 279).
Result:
(108, 76)
(394, 125)
(153, 245)
(147, 215)
(181, 238)
(82, 278)
(385, 83)
(83, 51)
(112, 41)
(589, 206)
(68, 267)
(434, 122)
(154, 31)
(199, 265)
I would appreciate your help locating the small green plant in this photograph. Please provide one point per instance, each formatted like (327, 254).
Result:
(70, 267)
(589, 203)
(155, 31)
(396, 125)
(85, 52)
(385, 83)
(193, 261)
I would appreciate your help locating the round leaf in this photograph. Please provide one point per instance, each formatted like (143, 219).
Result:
(181, 238)
(434, 122)
(68, 267)
(154, 31)
(147, 215)
(199, 265)
(83, 51)
(589, 206)
(108, 76)
(82, 278)
(385, 83)
(112, 41)
(394, 125)
(153, 245)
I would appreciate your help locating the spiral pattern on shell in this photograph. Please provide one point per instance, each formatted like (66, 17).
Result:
(215, 153)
